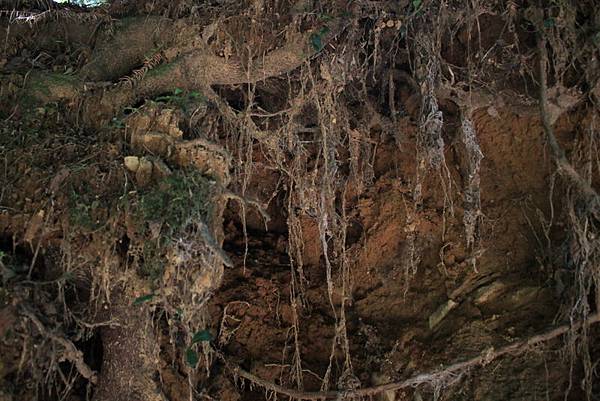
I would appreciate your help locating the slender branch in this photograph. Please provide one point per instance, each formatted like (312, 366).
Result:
(484, 358)
(562, 163)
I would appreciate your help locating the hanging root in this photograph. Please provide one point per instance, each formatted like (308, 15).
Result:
(584, 251)
(444, 375)
(430, 143)
(472, 206)
(562, 163)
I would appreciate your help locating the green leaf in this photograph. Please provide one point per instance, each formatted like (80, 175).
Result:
(417, 4)
(142, 299)
(178, 91)
(191, 357)
(165, 99)
(325, 17)
(202, 335)
(549, 23)
(316, 41)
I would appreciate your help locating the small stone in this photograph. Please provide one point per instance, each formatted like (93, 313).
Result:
(132, 163)
(390, 23)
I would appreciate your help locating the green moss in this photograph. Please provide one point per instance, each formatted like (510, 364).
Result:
(39, 87)
(177, 199)
(43, 82)
(153, 264)
(49, 86)
(81, 211)
(87, 209)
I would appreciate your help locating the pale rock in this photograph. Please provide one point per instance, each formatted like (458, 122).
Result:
(132, 163)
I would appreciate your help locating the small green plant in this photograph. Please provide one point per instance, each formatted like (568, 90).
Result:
(191, 357)
(549, 22)
(181, 99)
(202, 336)
(316, 39)
(117, 123)
(143, 299)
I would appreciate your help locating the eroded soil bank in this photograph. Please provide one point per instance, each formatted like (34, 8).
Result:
(305, 200)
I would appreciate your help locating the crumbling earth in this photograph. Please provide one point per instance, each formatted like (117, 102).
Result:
(306, 200)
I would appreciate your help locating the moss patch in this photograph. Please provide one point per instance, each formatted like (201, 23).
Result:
(178, 198)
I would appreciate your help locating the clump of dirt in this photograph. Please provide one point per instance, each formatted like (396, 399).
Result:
(312, 200)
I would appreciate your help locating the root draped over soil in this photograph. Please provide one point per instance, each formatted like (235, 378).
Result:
(446, 374)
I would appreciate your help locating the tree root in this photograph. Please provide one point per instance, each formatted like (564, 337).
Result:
(196, 68)
(130, 353)
(564, 167)
(435, 376)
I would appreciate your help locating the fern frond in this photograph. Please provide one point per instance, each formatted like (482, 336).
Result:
(138, 74)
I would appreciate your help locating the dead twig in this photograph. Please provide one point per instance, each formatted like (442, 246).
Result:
(435, 376)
